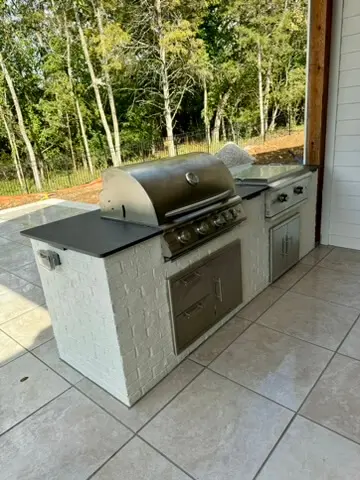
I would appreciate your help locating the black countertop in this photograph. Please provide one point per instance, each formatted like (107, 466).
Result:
(90, 234)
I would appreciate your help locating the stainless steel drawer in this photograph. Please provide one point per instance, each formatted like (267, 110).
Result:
(190, 288)
(193, 322)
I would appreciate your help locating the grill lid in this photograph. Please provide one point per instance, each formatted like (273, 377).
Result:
(158, 192)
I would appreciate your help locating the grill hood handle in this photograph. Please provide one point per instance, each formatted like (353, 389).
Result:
(198, 205)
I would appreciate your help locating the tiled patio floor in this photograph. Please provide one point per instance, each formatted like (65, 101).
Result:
(274, 394)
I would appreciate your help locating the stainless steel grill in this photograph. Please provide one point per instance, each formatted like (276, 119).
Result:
(192, 197)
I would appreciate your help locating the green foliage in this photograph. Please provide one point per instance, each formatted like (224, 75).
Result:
(197, 43)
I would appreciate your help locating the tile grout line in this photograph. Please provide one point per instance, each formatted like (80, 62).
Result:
(137, 432)
(301, 406)
(23, 313)
(111, 457)
(328, 428)
(18, 276)
(255, 321)
(35, 411)
(251, 390)
(295, 337)
(167, 458)
(322, 299)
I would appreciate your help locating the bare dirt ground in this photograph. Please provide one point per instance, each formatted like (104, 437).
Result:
(277, 150)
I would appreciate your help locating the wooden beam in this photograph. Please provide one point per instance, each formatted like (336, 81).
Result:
(320, 23)
(320, 13)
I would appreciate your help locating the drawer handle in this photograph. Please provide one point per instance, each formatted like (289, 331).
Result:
(191, 278)
(199, 306)
(218, 289)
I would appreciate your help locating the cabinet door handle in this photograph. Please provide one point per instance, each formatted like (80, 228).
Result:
(193, 310)
(283, 247)
(218, 289)
(190, 279)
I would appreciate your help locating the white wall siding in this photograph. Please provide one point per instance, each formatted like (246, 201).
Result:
(351, 8)
(341, 201)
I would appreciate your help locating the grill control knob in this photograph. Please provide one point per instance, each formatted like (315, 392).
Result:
(203, 228)
(228, 215)
(234, 212)
(298, 190)
(184, 236)
(219, 221)
(283, 197)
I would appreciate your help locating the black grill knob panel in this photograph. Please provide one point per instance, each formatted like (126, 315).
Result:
(283, 197)
(298, 190)
(184, 236)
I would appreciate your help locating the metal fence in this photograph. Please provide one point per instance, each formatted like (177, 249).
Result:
(60, 172)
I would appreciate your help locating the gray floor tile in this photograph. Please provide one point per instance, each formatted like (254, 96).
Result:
(332, 286)
(10, 282)
(216, 429)
(30, 273)
(351, 346)
(292, 276)
(19, 301)
(334, 402)
(9, 350)
(14, 256)
(51, 214)
(261, 303)
(3, 240)
(48, 353)
(138, 461)
(19, 397)
(310, 452)
(213, 346)
(310, 319)
(30, 329)
(8, 226)
(68, 439)
(316, 255)
(148, 406)
(18, 238)
(279, 367)
(343, 260)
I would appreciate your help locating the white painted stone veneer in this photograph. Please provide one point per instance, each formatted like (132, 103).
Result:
(111, 317)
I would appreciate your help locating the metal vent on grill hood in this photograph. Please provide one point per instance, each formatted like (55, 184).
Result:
(157, 192)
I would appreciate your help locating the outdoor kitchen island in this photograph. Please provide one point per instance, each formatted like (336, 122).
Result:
(107, 287)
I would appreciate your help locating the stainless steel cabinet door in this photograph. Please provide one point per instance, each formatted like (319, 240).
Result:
(227, 278)
(278, 256)
(293, 241)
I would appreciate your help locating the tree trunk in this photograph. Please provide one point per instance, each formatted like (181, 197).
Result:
(165, 82)
(75, 99)
(206, 113)
(261, 92)
(110, 91)
(266, 98)
(223, 129)
(21, 123)
(14, 151)
(233, 135)
(96, 90)
(71, 142)
(273, 118)
(219, 114)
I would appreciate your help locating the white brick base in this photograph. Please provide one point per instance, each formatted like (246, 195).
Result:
(111, 316)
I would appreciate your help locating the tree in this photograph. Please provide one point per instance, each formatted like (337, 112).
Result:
(164, 34)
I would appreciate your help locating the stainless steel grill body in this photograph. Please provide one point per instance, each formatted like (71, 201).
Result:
(154, 193)
(192, 197)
